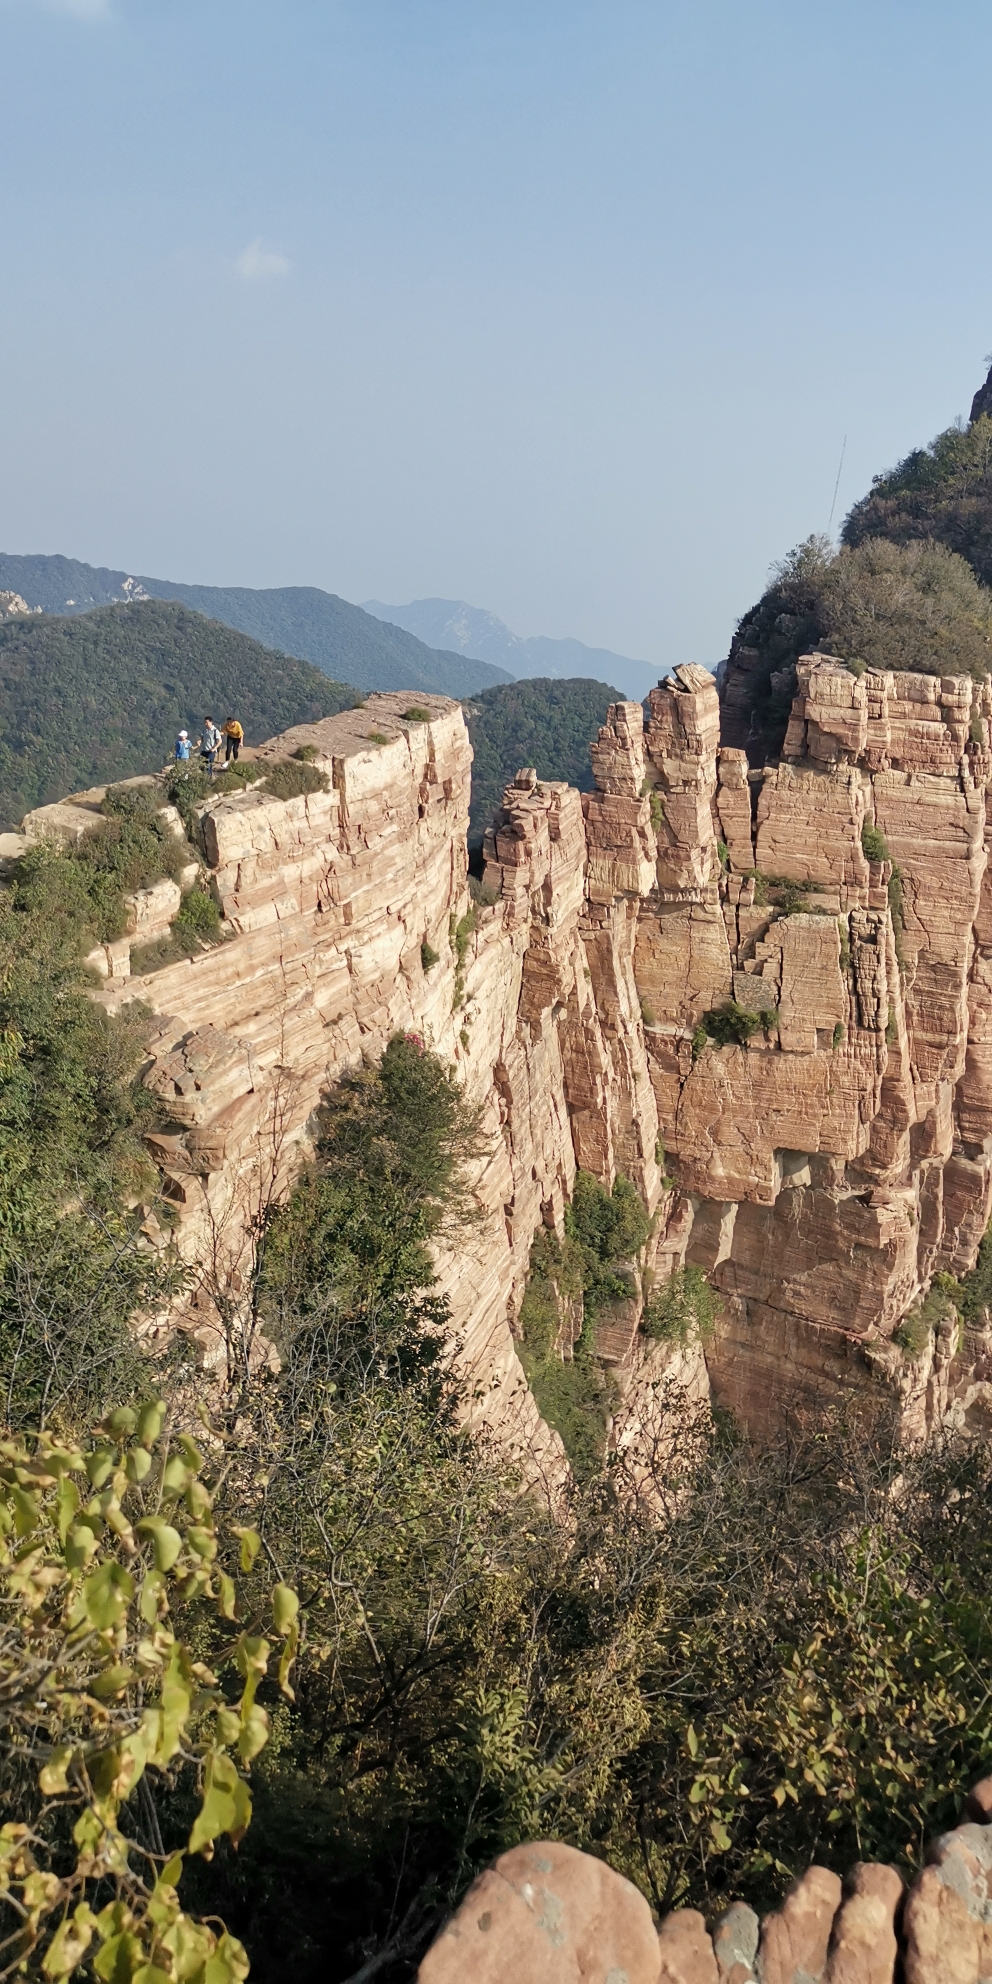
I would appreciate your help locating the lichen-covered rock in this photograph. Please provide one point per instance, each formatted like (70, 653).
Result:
(686, 1950)
(948, 1914)
(735, 1944)
(863, 1946)
(546, 1914)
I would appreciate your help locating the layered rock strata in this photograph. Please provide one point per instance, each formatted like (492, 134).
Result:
(821, 1171)
(546, 1914)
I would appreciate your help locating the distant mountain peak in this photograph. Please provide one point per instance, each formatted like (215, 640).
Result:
(474, 631)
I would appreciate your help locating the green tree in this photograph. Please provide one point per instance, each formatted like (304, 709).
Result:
(877, 604)
(941, 493)
(101, 1545)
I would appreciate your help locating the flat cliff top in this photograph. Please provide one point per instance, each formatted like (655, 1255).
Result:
(382, 718)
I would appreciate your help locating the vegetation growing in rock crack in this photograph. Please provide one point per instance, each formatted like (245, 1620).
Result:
(732, 1025)
(683, 1310)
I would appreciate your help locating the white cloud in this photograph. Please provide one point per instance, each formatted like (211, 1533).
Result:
(258, 264)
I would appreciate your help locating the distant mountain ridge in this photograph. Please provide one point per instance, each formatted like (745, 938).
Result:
(472, 631)
(344, 642)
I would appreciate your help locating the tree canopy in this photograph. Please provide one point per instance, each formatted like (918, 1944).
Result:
(912, 606)
(941, 493)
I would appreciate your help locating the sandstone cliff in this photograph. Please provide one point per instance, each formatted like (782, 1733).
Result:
(825, 1169)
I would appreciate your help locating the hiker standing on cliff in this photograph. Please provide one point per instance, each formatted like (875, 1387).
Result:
(234, 736)
(210, 743)
(182, 748)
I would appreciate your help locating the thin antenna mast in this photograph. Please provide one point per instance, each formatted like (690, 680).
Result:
(840, 465)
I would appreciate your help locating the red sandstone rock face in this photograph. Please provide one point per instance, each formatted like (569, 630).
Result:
(795, 1940)
(824, 1171)
(863, 1944)
(545, 1914)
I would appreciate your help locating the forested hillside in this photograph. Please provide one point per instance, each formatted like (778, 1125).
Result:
(544, 723)
(101, 695)
(909, 587)
(876, 605)
(942, 492)
(338, 638)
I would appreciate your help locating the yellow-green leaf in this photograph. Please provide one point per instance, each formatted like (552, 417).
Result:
(198, 1500)
(80, 1546)
(286, 1661)
(189, 1945)
(69, 1944)
(100, 1465)
(228, 1963)
(151, 1419)
(112, 1681)
(252, 1656)
(148, 1603)
(170, 1875)
(177, 1697)
(218, 1812)
(119, 1959)
(285, 1608)
(226, 1594)
(66, 1505)
(25, 1509)
(137, 1467)
(203, 1541)
(52, 1776)
(166, 1541)
(251, 1543)
(123, 1420)
(106, 1595)
(228, 1725)
(176, 1476)
(254, 1732)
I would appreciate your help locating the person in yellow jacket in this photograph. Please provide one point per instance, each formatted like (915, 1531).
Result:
(234, 738)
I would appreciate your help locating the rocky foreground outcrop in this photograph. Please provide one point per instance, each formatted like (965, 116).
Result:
(821, 1171)
(546, 1914)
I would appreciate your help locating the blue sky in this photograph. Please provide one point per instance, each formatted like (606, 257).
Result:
(563, 307)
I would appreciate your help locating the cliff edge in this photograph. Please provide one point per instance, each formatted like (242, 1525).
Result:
(774, 984)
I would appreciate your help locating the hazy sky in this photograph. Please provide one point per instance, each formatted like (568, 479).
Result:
(563, 307)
